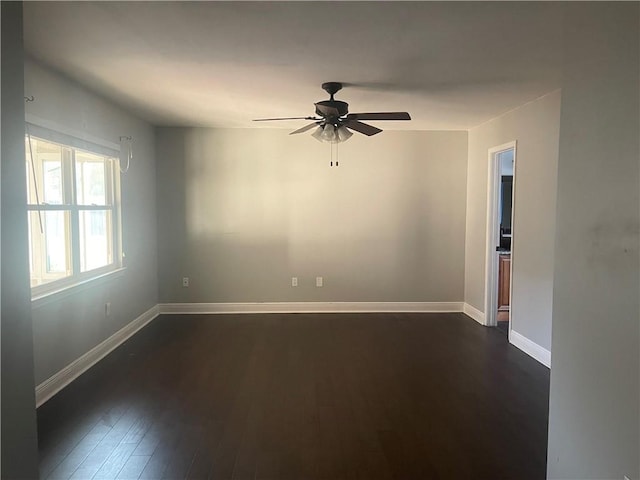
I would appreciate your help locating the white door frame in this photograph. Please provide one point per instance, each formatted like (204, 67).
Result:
(493, 233)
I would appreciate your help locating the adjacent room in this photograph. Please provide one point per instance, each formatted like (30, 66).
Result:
(320, 240)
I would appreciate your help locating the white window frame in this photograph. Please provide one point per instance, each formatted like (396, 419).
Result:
(71, 145)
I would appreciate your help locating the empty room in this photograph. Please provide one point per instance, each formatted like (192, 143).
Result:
(320, 240)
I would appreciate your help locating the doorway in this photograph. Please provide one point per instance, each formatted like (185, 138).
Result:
(500, 208)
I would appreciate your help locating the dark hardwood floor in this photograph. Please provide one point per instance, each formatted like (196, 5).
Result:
(304, 396)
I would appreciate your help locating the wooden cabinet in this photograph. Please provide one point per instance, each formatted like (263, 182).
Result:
(504, 282)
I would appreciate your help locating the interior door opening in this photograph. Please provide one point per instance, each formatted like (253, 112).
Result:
(499, 236)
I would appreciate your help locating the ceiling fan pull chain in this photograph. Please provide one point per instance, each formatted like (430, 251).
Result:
(331, 154)
(334, 152)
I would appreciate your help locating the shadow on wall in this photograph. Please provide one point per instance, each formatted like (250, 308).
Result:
(244, 211)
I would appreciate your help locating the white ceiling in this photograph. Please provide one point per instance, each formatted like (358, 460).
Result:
(452, 65)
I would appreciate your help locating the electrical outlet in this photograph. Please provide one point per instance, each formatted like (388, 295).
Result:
(107, 309)
(185, 282)
(319, 282)
(294, 281)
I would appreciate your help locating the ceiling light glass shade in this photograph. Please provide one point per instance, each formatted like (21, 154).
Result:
(329, 133)
(317, 133)
(344, 134)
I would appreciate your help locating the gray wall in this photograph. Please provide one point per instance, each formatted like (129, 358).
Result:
(68, 325)
(19, 444)
(535, 127)
(594, 401)
(242, 211)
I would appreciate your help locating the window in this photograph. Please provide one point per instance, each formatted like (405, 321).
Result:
(73, 206)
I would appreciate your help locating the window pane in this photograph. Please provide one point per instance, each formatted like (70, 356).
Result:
(91, 184)
(95, 239)
(49, 246)
(44, 174)
(80, 236)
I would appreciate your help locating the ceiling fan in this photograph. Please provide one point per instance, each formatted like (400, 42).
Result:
(333, 121)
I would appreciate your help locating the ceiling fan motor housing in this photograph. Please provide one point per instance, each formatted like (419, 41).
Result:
(341, 107)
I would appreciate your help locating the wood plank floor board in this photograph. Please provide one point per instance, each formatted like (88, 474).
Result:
(115, 462)
(303, 397)
(133, 467)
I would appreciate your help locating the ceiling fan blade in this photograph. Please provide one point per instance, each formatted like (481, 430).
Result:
(380, 116)
(305, 128)
(326, 110)
(285, 118)
(368, 130)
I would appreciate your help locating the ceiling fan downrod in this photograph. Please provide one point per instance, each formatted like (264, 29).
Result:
(332, 88)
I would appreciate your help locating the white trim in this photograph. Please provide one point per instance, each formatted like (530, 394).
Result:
(493, 232)
(514, 230)
(64, 291)
(68, 374)
(530, 348)
(474, 313)
(309, 307)
(491, 239)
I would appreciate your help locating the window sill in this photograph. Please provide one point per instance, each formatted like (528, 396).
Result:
(68, 290)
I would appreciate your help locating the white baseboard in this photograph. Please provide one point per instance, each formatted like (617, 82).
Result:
(310, 307)
(68, 374)
(474, 313)
(530, 348)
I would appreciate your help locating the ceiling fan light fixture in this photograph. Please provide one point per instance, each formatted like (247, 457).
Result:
(344, 134)
(317, 133)
(329, 133)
